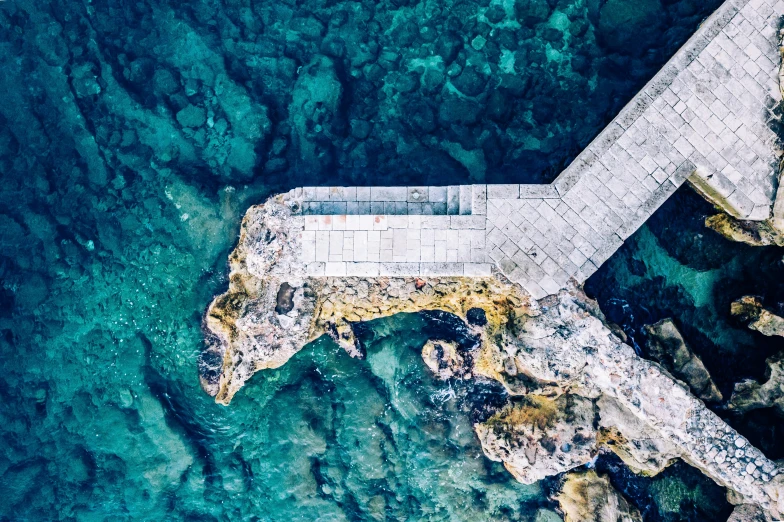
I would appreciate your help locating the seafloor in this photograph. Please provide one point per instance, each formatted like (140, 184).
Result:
(133, 135)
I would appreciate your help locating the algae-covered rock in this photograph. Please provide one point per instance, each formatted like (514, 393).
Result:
(589, 497)
(444, 359)
(540, 437)
(749, 309)
(754, 233)
(667, 346)
(530, 12)
(192, 116)
(314, 111)
(751, 395)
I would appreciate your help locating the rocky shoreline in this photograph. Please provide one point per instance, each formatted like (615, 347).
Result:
(558, 359)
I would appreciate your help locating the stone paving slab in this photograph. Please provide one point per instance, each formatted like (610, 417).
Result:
(706, 117)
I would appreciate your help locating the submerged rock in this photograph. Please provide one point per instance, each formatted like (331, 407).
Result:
(749, 310)
(751, 395)
(589, 497)
(667, 347)
(315, 114)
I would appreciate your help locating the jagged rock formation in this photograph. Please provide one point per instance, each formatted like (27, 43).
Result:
(541, 437)
(751, 395)
(746, 513)
(749, 309)
(754, 233)
(667, 347)
(444, 360)
(636, 442)
(588, 497)
(557, 352)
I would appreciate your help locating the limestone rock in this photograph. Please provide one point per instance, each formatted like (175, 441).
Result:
(637, 443)
(667, 347)
(749, 309)
(589, 497)
(444, 359)
(754, 233)
(248, 327)
(747, 513)
(541, 437)
(751, 395)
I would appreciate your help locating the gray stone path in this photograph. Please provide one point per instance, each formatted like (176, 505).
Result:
(706, 114)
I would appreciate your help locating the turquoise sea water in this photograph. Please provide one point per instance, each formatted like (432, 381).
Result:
(132, 138)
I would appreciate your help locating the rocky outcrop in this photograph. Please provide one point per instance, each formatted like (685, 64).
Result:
(445, 360)
(747, 513)
(635, 441)
(749, 310)
(667, 347)
(576, 386)
(541, 437)
(751, 395)
(589, 497)
(754, 233)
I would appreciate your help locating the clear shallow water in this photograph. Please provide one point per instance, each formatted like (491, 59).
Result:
(118, 209)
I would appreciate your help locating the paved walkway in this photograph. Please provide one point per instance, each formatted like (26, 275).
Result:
(707, 114)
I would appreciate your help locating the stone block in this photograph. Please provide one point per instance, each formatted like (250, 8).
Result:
(503, 191)
(437, 194)
(442, 269)
(388, 193)
(362, 269)
(470, 222)
(453, 199)
(538, 192)
(479, 200)
(335, 269)
(418, 194)
(399, 269)
(477, 270)
(465, 197)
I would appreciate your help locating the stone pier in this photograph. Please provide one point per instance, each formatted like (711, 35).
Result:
(317, 260)
(706, 117)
